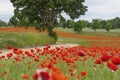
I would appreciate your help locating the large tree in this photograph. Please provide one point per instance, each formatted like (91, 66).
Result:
(47, 11)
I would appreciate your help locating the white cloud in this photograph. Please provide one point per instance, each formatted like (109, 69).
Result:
(6, 7)
(105, 9)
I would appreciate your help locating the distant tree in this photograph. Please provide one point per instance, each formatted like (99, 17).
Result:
(103, 23)
(47, 11)
(108, 26)
(96, 24)
(13, 21)
(88, 24)
(115, 23)
(79, 25)
(3, 24)
(70, 24)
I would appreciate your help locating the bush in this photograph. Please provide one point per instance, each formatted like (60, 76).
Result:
(3, 24)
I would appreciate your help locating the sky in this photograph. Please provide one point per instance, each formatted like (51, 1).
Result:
(102, 9)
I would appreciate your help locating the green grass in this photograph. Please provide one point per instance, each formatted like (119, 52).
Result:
(89, 31)
(21, 40)
(73, 40)
(101, 32)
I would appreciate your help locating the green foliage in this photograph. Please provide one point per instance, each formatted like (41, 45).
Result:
(3, 24)
(96, 24)
(47, 11)
(115, 22)
(108, 26)
(70, 24)
(13, 21)
(38, 26)
(79, 25)
(23, 39)
(101, 24)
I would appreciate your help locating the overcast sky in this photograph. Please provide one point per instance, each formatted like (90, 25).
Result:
(104, 9)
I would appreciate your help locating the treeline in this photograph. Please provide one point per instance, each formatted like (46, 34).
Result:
(94, 24)
(3, 24)
(77, 26)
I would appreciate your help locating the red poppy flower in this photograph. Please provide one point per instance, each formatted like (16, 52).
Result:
(9, 55)
(38, 50)
(112, 66)
(15, 49)
(17, 59)
(2, 57)
(83, 73)
(41, 74)
(98, 61)
(105, 57)
(45, 75)
(35, 76)
(0, 52)
(36, 59)
(26, 76)
(116, 60)
(81, 53)
(58, 75)
(9, 47)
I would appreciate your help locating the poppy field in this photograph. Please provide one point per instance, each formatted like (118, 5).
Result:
(99, 61)
(60, 63)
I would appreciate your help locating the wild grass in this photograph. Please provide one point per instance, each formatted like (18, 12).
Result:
(81, 42)
(21, 40)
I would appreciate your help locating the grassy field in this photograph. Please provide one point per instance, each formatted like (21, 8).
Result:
(89, 37)
(24, 39)
(89, 31)
(81, 42)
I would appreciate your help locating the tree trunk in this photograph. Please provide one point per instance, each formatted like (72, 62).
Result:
(52, 33)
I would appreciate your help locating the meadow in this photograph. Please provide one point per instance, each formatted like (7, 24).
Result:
(22, 40)
(97, 58)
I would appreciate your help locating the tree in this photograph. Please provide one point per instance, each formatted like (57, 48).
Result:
(3, 24)
(115, 22)
(103, 23)
(70, 24)
(108, 26)
(79, 25)
(14, 21)
(47, 11)
(96, 24)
